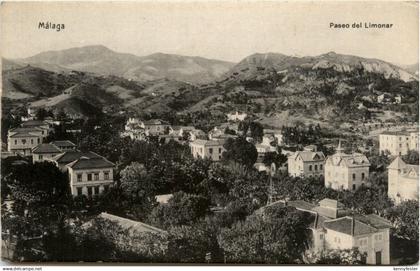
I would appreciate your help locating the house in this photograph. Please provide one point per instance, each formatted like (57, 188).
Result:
(90, 175)
(308, 163)
(210, 149)
(334, 227)
(61, 160)
(398, 142)
(403, 181)
(190, 131)
(64, 145)
(237, 116)
(21, 141)
(346, 171)
(262, 150)
(133, 124)
(38, 123)
(45, 151)
(155, 127)
(271, 135)
(163, 199)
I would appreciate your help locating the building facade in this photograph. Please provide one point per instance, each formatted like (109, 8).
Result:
(308, 163)
(403, 181)
(398, 143)
(210, 149)
(45, 151)
(346, 171)
(90, 176)
(237, 116)
(21, 141)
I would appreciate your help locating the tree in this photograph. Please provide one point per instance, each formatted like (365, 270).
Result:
(275, 157)
(257, 131)
(280, 236)
(405, 218)
(241, 151)
(139, 189)
(412, 157)
(181, 209)
(42, 113)
(337, 257)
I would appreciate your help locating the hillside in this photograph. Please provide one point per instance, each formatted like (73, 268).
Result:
(101, 60)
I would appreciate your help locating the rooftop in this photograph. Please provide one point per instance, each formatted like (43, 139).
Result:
(63, 143)
(70, 156)
(24, 135)
(208, 142)
(308, 156)
(131, 225)
(90, 163)
(31, 123)
(46, 148)
(357, 224)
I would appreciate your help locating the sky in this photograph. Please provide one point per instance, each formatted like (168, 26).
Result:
(226, 30)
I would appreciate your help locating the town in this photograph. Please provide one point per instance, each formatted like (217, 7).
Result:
(136, 189)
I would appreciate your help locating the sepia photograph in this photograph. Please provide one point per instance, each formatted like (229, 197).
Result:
(210, 133)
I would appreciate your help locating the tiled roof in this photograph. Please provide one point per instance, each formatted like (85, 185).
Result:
(398, 163)
(399, 133)
(70, 156)
(63, 143)
(308, 156)
(25, 129)
(349, 160)
(46, 148)
(90, 163)
(357, 225)
(131, 225)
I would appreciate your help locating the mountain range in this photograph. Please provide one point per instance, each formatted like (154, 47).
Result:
(83, 81)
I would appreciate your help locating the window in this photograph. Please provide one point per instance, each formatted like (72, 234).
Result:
(378, 237)
(363, 242)
(79, 177)
(40, 157)
(79, 191)
(96, 176)
(23, 141)
(220, 150)
(106, 187)
(106, 175)
(38, 140)
(96, 190)
(354, 176)
(363, 176)
(316, 167)
(320, 167)
(89, 177)
(321, 236)
(337, 240)
(15, 141)
(310, 167)
(211, 150)
(89, 189)
(32, 141)
(354, 187)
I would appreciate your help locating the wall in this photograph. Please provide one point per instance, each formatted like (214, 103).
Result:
(74, 183)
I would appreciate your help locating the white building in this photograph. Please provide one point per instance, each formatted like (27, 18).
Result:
(237, 116)
(44, 152)
(308, 163)
(346, 171)
(403, 181)
(21, 141)
(398, 143)
(211, 149)
(334, 227)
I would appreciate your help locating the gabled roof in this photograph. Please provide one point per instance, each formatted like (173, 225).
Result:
(398, 163)
(90, 163)
(26, 129)
(348, 160)
(131, 225)
(63, 143)
(308, 156)
(46, 148)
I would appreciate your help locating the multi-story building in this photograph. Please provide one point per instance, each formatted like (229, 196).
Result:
(45, 151)
(334, 227)
(308, 163)
(155, 127)
(63, 159)
(403, 181)
(21, 141)
(271, 135)
(210, 149)
(90, 176)
(346, 171)
(398, 142)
